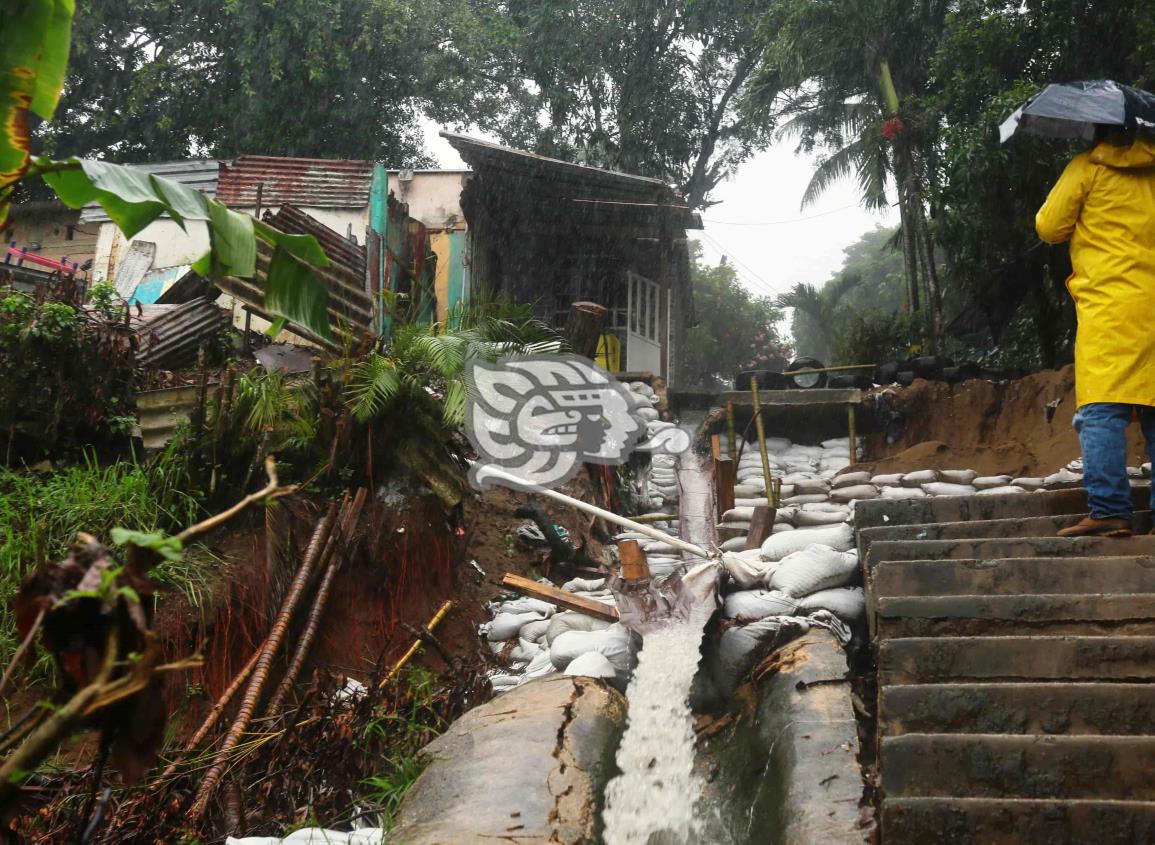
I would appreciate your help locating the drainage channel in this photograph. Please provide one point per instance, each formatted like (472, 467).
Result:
(653, 801)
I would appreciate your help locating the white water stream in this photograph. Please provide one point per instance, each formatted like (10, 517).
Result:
(652, 801)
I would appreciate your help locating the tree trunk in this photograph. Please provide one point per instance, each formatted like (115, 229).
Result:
(909, 256)
(583, 328)
(930, 272)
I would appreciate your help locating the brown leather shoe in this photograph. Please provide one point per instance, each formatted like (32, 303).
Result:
(1088, 527)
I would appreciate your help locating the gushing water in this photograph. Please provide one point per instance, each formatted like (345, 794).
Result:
(652, 801)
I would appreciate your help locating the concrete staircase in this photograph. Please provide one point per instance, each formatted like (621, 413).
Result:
(1016, 671)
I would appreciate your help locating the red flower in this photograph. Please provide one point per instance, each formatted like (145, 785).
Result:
(893, 128)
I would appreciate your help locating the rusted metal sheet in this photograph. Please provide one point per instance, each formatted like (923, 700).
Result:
(161, 412)
(309, 182)
(339, 248)
(350, 308)
(171, 339)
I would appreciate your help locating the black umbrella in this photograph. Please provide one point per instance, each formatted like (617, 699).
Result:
(1071, 110)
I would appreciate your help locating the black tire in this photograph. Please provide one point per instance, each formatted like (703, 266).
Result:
(767, 380)
(806, 381)
(886, 373)
(905, 378)
(930, 366)
(854, 382)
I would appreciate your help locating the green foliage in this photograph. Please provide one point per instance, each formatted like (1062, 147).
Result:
(874, 336)
(403, 732)
(736, 330)
(66, 379)
(40, 515)
(864, 296)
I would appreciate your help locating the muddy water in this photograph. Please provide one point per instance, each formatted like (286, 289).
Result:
(653, 801)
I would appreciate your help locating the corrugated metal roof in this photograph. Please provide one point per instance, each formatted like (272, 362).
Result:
(171, 339)
(199, 173)
(309, 182)
(339, 248)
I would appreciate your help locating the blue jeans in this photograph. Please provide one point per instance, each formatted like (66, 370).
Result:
(1102, 428)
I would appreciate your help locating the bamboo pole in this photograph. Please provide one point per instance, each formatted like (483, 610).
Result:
(758, 427)
(348, 523)
(261, 669)
(609, 516)
(441, 613)
(852, 423)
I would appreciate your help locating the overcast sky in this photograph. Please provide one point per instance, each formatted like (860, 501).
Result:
(757, 222)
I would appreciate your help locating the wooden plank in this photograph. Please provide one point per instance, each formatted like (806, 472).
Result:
(725, 475)
(716, 446)
(569, 601)
(761, 524)
(818, 396)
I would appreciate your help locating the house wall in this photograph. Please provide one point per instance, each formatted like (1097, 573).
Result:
(50, 229)
(434, 197)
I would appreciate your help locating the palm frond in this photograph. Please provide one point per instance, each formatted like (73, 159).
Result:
(373, 383)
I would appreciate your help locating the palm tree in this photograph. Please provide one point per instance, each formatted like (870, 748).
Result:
(820, 311)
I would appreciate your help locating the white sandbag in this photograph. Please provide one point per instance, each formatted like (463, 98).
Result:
(592, 664)
(813, 518)
(805, 486)
(631, 535)
(826, 507)
(834, 465)
(526, 604)
(957, 476)
(942, 488)
(613, 642)
(747, 490)
(894, 479)
(747, 568)
(742, 527)
(785, 514)
(1010, 489)
(734, 544)
(540, 666)
(758, 604)
(648, 414)
(738, 515)
(742, 646)
(656, 547)
(804, 498)
(505, 626)
(919, 478)
(583, 585)
(754, 480)
(752, 503)
(777, 444)
(850, 479)
(1063, 476)
(500, 681)
(781, 527)
(838, 537)
(535, 631)
(902, 493)
(571, 620)
(524, 651)
(853, 494)
(812, 569)
(663, 460)
(847, 603)
(316, 836)
(837, 443)
(986, 482)
(1028, 484)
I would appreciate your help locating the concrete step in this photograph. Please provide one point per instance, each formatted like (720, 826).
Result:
(1031, 526)
(1037, 575)
(1024, 708)
(994, 821)
(868, 514)
(924, 660)
(1005, 766)
(995, 615)
(1001, 549)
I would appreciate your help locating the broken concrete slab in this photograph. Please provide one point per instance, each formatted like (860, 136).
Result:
(529, 767)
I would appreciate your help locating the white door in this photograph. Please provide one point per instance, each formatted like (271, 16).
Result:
(643, 345)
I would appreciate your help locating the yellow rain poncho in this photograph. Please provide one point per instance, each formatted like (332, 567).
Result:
(1104, 203)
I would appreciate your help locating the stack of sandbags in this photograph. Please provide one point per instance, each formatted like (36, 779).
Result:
(663, 478)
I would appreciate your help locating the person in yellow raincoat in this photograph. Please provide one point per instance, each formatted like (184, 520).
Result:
(1104, 204)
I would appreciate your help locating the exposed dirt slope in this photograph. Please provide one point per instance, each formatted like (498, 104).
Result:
(1020, 427)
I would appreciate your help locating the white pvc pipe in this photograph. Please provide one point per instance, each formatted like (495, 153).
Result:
(609, 516)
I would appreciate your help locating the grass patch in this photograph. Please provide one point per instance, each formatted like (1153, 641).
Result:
(40, 515)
